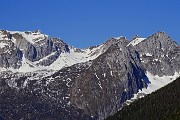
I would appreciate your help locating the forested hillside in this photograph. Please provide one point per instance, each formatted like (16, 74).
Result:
(163, 104)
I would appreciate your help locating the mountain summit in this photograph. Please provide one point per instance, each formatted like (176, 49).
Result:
(45, 78)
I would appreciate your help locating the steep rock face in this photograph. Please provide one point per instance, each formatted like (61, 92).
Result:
(10, 56)
(111, 79)
(91, 89)
(33, 45)
(160, 55)
(42, 51)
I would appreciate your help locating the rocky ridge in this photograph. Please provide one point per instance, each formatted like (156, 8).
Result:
(104, 78)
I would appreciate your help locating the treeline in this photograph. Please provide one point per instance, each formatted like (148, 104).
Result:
(164, 104)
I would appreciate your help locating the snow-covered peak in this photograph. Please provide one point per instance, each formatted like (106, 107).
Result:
(136, 41)
(53, 54)
(31, 37)
(73, 57)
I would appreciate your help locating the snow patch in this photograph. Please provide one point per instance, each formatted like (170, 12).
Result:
(27, 66)
(111, 73)
(104, 74)
(148, 54)
(99, 83)
(136, 41)
(31, 37)
(68, 81)
(45, 58)
(2, 45)
(74, 57)
(156, 83)
(96, 76)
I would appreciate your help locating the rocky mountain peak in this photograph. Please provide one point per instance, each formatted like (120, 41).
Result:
(135, 37)
(160, 36)
(3, 31)
(160, 33)
(157, 52)
(74, 83)
(37, 31)
(116, 40)
(30, 45)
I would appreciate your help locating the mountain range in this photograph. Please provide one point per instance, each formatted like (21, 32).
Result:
(45, 78)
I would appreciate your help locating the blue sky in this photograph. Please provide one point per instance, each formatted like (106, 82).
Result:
(84, 23)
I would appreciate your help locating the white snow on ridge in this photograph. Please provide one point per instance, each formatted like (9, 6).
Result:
(2, 45)
(46, 57)
(64, 60)
(73, 57)
(136, 41)
(31, 37)
(28, 66)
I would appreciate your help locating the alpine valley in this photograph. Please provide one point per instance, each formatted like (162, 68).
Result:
(43, 78)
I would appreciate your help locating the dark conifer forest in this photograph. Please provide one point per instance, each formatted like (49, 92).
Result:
(164, 104)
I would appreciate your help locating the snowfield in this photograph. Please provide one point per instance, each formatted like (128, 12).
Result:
(156, 83)
(136, 41)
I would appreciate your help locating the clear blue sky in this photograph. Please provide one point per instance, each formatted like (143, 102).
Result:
(84, 23)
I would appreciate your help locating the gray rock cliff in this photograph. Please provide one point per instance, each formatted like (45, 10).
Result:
(92, 89)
